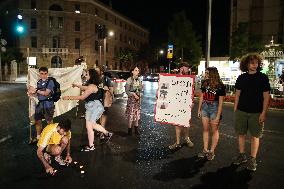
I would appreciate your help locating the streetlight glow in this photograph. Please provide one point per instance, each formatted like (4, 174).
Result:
(161, 51)
(20, 17)
(111, 33)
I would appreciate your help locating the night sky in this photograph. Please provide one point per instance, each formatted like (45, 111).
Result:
(155, 16)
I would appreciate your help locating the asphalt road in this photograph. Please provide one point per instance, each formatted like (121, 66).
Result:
(131, 162)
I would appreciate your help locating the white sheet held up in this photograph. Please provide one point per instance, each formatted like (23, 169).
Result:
(66, 77)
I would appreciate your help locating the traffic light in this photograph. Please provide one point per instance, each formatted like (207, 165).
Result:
(20, 29)
(102, 32)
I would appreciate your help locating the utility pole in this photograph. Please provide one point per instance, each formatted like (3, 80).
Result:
(208, 40)
(105, 51)
(100, 55)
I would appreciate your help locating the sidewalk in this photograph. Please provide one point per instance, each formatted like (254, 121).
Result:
(22, 79)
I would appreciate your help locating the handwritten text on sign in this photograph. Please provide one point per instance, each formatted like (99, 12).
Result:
(175, 94)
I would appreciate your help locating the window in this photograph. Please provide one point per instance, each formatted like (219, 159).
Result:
(33, 23)
(34, 42)
(97, 63)
(106, 47)
(60, 22)
(96, 12)
(120, 24)
(51, 22)
(115, 20)
(107, 63)
(120, 37)
(77, 43)
(33, 4)
(96, 45)
(77, 8)
(106, 16)
(55, 42)
(77, 25)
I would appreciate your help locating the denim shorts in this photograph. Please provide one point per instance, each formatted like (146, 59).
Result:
(209, 109)
(94, 110)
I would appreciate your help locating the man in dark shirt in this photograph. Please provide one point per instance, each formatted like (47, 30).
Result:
(251, 104)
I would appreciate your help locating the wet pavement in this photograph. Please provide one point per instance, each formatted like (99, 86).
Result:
(135, 162)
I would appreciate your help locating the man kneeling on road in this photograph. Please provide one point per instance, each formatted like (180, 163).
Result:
(53, 141)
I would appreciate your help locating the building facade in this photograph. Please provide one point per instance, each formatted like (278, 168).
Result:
(60, 31)
(264, 18)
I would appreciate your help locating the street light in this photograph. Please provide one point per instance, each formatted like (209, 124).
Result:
(161, 52)
(106, 33)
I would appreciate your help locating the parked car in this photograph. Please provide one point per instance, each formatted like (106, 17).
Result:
(118, 79)
(151, 77)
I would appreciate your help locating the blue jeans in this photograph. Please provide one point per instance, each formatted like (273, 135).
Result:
(209, 109)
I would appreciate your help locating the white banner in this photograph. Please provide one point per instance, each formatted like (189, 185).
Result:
(66, 77)
(175, 95)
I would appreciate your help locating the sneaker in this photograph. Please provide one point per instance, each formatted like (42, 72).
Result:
(108, 136)
(210, 156)
(251, 164)
(33, 141)
(88, 148)
(240, 159)
(47, 157)
(202, 154)
(175, 146)
(189, 143)
(59, 160)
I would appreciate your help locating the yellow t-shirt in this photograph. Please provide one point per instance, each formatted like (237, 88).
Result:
(50, 135)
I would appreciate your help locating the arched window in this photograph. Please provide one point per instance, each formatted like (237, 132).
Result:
(56, 62)
(55, 7)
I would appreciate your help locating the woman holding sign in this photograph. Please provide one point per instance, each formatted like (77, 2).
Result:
(133, 89)
(210, 110)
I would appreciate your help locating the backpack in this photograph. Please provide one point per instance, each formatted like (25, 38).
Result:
(56, 92)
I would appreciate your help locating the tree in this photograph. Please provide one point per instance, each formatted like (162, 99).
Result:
(184, 39)
(126, 57)
(244, 42)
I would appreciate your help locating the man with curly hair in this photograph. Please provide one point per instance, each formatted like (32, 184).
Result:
(251, 104)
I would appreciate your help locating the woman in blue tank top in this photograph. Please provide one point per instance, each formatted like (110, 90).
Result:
(94, 108)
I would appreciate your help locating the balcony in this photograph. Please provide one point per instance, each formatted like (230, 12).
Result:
(63, 51)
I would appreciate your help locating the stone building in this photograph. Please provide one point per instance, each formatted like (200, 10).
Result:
(60, 31)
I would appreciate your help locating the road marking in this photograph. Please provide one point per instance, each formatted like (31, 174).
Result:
(5, 138)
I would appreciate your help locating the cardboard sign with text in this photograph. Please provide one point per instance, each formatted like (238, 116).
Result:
(174, 99)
